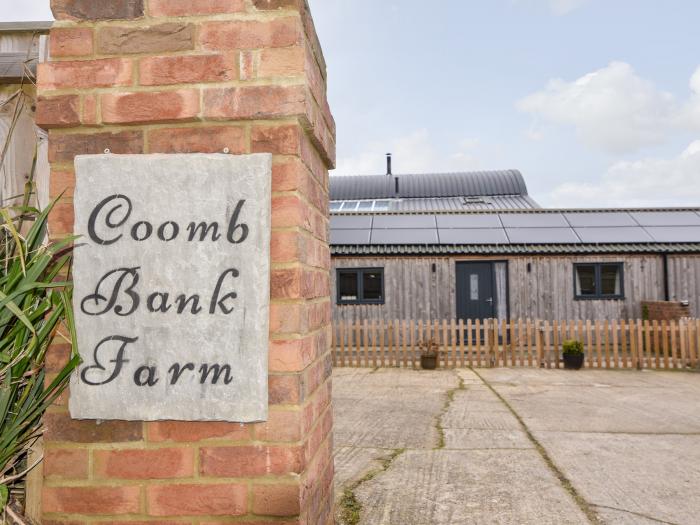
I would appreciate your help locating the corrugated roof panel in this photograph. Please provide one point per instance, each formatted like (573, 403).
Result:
(513, 249)
(428, 185)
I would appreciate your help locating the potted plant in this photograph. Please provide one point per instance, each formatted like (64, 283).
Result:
(429, 351)
(573, 354)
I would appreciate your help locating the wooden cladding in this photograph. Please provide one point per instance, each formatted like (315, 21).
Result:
(608, 344)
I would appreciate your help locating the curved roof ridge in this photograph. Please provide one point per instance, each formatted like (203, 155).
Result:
(426, 185)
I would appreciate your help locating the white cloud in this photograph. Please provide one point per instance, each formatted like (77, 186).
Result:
(612, 109)
(646, 182)
(413, 153)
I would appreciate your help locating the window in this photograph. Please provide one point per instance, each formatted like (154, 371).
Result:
(599, 281)
(363, 206)
(360, 286)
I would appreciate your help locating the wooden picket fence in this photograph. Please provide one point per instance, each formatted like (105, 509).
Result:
(615, 344)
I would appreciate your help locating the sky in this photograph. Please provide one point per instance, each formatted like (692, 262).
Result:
(596, 102)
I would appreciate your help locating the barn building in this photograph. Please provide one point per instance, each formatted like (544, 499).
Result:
(477, 246)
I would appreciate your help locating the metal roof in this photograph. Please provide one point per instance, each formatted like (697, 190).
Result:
(512, 249)
(427, 185)
(25, 27)
(452, 204)
(504, 229)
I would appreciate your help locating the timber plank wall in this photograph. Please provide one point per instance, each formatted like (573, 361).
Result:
(414, 291)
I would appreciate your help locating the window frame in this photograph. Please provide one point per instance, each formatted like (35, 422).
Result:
(598, 276)
(359, 276)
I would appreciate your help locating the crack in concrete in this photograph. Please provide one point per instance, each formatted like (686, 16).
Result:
(449, 398)
(646, 516)
(350, 506)
(585, 506)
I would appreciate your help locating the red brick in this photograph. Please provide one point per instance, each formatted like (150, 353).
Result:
(286, 318)
(64, 147)
(291, 355)
(271, 5)
(250, 461)
(61, 219)
(58, 112)
(197, 500)
(281, 62)
(285, 389)
(182, 431)
(151, 106)
(57, 357)
(97, 9)
(288, 246)
(254, 102)
(286, 284)
(281, 425)
(212, 139)
(90, 110)
(160, 463)
(161, 71)
(251, 34)
(246, 65)
(276, 500)
(60, 427)
(66, 463)
(290, 211)
(106, 72)
(91, 500)
(71, 41)
(278, 140)
(121, 40)
(194, 7)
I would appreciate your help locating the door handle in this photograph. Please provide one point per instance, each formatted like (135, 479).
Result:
(489, 300)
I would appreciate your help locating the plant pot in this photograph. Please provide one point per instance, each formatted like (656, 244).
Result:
(573, 361)
(428, 362)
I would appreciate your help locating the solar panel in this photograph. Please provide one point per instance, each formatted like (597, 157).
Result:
(473, 236)
(593, 219)
(541, 235)
(467, 220)
(533, 220)
(404, 221)
(621, 234)
(350, 222)
(675, 233)
(666, 218)
(404, 236)
(350, 236)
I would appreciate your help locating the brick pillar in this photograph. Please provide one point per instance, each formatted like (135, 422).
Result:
(179, 76)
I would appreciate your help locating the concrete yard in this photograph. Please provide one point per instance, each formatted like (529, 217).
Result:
(516, 446)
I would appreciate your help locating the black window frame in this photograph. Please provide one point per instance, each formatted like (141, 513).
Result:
(359, 274)
(598, 271)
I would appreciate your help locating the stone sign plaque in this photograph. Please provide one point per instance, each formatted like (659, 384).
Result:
(172, 273)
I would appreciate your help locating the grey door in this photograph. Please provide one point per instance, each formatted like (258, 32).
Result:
(475, 291)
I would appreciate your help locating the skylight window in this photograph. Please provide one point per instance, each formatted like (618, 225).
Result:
(362, 206)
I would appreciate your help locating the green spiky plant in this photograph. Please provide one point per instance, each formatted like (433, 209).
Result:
(35, 309)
